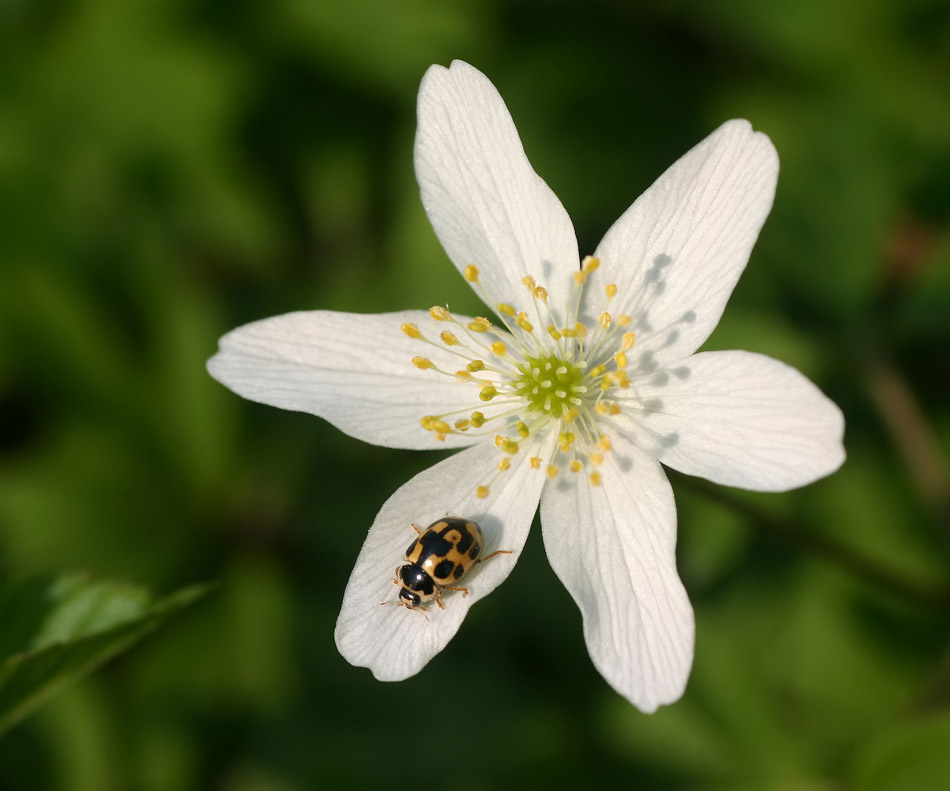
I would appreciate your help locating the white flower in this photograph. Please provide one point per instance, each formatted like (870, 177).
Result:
(572, 397)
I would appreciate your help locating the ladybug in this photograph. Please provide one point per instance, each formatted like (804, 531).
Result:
(440, 556)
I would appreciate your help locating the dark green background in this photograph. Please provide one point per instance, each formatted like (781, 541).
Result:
(169, 170)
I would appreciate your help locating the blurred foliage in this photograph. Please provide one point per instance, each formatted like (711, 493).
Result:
(57, 630)
(171, 169)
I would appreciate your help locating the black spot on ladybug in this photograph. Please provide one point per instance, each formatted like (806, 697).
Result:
(445, 568)
(459, 571)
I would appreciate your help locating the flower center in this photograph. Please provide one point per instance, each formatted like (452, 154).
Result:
(534, 376)
(550, 385)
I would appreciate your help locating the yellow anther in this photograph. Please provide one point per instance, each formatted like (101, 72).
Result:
(622, 380)
(624, 320)
(462, 424)
(439, 313)
(422, 362)
(601, 408)
(440, 437)
(597, 371)
(481, 492)
(551, 471)
(475, 365)
(463, 376)
(569, 332)
(499, 348)
(509, 446)
(614, 409)
(572, 414)
(442, 427)
(566, 438)
(535, 462)
(504, 464)
(523, 322)
(621, 359)
(487, 393)
(448, 338)
(479, 325)
(628, 340)
(500, 439)
(523, 431)
(478, 419)
(604, 443)
(611, 290)
(541, 293)
(528, 282)
(605, 384)
(590, 263)
(470, 273)
(427, 422)
(552, 331)
(580, 278)
(576, 466)
(595, 479)
(604, 319)
(504, 307)
(581, 330)
(596, 459)
(411, 330)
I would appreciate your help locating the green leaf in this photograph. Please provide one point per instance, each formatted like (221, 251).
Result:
(56, 631)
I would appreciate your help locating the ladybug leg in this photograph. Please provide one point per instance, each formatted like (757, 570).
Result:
(418, 529)
(464, 591)
(496, 552)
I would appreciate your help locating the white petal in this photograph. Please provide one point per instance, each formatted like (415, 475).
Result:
(351, 369)
(677, 252)
(737, 418)
(487, 205)
(613, 547)
(393, 641)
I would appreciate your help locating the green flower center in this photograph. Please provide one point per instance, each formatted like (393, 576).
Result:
(551, 385)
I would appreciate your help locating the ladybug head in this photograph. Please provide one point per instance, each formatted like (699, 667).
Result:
(409, 599)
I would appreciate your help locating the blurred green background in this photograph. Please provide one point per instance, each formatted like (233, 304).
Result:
(172, 169)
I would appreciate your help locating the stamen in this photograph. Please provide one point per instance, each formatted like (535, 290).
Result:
(499, 348)
(523, 430)
(535, 462)
(476, 365)
(479, 325)
(411, 330)
(604, 320)
(481, 492)
(552, 331)
(487, 393)
(422, 362)
(478, 419)
(505, 308)
(624, 320)
(504, 464)
(628, 340)
(523, 322)
(439, 313)
(576, 466)
(551, 471)
(541, 294)
(470, 273)
(528, 282)
(449, 339)
(611, 291)
(595, 479)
